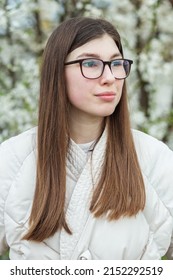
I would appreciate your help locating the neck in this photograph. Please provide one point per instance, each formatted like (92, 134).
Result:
(85, 130)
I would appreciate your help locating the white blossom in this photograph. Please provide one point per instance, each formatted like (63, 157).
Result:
(151, 24)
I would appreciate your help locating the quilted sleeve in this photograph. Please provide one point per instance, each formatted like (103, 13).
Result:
(156, 160)
(161, 177)
(164, 183)
(8, 167)
(169, 253)
(160, 222)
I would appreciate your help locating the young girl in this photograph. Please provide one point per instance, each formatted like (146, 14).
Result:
(83, 185)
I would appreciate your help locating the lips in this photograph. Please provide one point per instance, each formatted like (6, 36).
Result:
(106, 93)
(106, 96)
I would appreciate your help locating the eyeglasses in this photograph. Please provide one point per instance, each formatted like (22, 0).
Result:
(92, 68)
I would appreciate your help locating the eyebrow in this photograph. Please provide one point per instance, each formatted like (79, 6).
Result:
(94, 55)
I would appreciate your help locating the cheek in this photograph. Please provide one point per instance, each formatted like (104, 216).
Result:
(75, 91)
(77, 88)
(120, 85)
(75, 98)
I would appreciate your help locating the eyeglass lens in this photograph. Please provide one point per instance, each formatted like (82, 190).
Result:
(93, 68)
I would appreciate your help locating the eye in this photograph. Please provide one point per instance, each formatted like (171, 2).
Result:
(116, 63)
(90, 63)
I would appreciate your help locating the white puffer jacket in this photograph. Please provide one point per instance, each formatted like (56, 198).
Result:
(144, 236)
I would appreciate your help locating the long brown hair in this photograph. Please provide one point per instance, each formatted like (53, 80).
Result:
(120, 190)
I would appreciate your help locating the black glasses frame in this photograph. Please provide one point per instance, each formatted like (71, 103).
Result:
(80, 61)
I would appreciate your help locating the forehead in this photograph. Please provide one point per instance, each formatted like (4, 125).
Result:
(103, 47)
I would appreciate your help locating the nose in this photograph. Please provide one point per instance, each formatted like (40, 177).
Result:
(107, 74)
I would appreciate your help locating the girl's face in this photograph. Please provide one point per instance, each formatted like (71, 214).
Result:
(99, 97)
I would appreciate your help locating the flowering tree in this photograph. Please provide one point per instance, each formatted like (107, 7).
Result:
(147, 39)
(20, 48)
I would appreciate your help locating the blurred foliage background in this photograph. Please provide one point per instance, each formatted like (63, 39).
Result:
(147, 36)
(146, 30)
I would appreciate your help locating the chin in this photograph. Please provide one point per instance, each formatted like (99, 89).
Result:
(108, 113)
